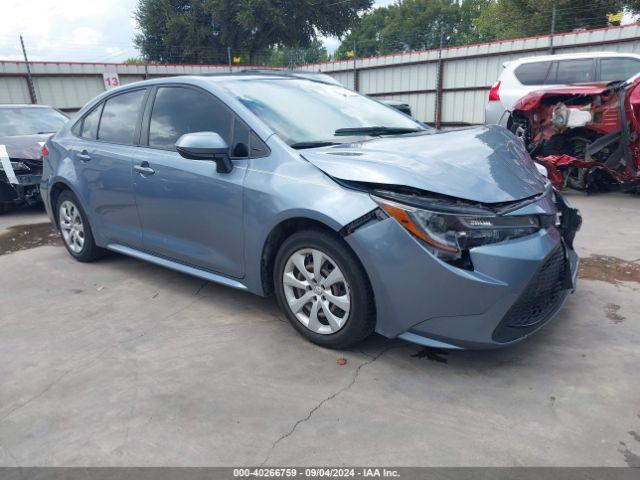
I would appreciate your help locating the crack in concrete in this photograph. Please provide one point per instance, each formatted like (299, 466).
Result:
(55, 382)
(36, 396)
(308, 416)
(97, 357)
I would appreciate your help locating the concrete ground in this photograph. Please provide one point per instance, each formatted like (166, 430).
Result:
(125, 363)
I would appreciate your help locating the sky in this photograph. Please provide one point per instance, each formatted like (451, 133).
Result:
(76, 30)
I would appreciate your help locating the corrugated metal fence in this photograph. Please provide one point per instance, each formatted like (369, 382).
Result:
(467, 73)
(68, 85)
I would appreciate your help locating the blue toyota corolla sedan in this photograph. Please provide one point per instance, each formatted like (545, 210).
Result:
(355, 216)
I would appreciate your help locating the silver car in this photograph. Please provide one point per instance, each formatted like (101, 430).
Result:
(529, 74)
(356, 217)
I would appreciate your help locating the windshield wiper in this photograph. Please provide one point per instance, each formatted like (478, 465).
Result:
(320, 143)
(376, 131)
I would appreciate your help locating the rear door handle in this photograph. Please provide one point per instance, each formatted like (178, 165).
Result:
(84, 156)
(144, 169)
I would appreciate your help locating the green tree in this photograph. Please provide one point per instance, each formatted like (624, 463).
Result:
(292, 56)
(177, 31)
(199, 31)
(506, 19)
(414, 25)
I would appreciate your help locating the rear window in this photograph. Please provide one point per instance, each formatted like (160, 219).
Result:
(574, 71)
(612, 69)
(533, 73)
(90, 124)
(120, 117)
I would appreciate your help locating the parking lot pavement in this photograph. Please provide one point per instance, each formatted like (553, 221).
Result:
(125, 363)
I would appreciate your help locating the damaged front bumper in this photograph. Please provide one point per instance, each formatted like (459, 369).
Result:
(514, 288)
(17, 185)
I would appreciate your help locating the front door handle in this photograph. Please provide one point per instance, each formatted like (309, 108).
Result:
(84, 156)
(144, 169)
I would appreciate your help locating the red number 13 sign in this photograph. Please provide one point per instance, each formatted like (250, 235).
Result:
(111, 80)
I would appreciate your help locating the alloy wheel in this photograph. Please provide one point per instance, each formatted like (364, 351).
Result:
(316, 291)
(71, 226)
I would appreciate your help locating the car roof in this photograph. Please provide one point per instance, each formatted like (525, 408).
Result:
(568, 56)
(216, 78)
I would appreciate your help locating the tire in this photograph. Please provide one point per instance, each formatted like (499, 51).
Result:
(344, 309)
(73, 217)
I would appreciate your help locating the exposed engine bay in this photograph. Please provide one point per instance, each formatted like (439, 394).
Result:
(586, 136)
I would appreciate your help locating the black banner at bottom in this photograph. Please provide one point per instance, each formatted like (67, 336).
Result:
(404, 473)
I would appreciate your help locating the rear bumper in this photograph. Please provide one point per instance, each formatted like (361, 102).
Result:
(424, 300)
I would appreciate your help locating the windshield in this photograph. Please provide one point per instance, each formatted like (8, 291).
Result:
(302, 111)
(30, 121)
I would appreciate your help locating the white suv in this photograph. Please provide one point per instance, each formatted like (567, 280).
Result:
(526, 75)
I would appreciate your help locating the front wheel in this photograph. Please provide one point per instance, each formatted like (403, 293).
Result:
(323, 289)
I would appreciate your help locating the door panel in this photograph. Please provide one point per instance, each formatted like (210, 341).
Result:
(191, 213)
(103, 160)
(105, 174)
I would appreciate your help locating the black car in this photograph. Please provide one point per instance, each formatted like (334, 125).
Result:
(23, 131)
(402, 106)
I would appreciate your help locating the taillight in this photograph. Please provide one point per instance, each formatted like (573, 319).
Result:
(44, 151)
(494, 94)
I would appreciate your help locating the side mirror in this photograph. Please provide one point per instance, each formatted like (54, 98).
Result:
(205, 146)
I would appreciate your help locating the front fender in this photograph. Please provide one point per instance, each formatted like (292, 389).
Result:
(286, 189)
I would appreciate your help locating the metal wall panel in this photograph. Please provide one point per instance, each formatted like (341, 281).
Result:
(129, 79)
(14, 90)
(468, 72)
(464, 107)
(422, 104)
(403, 78)
(67, 92)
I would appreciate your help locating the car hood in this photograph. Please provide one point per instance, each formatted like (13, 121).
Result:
(25, 147)
(483, 164)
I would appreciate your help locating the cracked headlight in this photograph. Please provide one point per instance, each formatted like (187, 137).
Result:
(448, 229)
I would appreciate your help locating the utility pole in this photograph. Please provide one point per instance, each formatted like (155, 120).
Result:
(32, 90)
(229, 57)
(553, 28)
(355, 70)
(439, 84)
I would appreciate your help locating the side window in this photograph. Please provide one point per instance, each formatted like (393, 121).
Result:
(258, 147)
(612, 69)
(90, 124)
(119, 117)
(179, 110)
(575, 71)
(532, 73)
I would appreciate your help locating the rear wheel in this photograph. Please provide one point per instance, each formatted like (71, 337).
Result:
(323, 290)
(75, 229)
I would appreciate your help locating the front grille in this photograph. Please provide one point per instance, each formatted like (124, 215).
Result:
(539, 300)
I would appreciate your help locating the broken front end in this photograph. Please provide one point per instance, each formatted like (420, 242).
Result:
(585, 136)
(20, 171)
